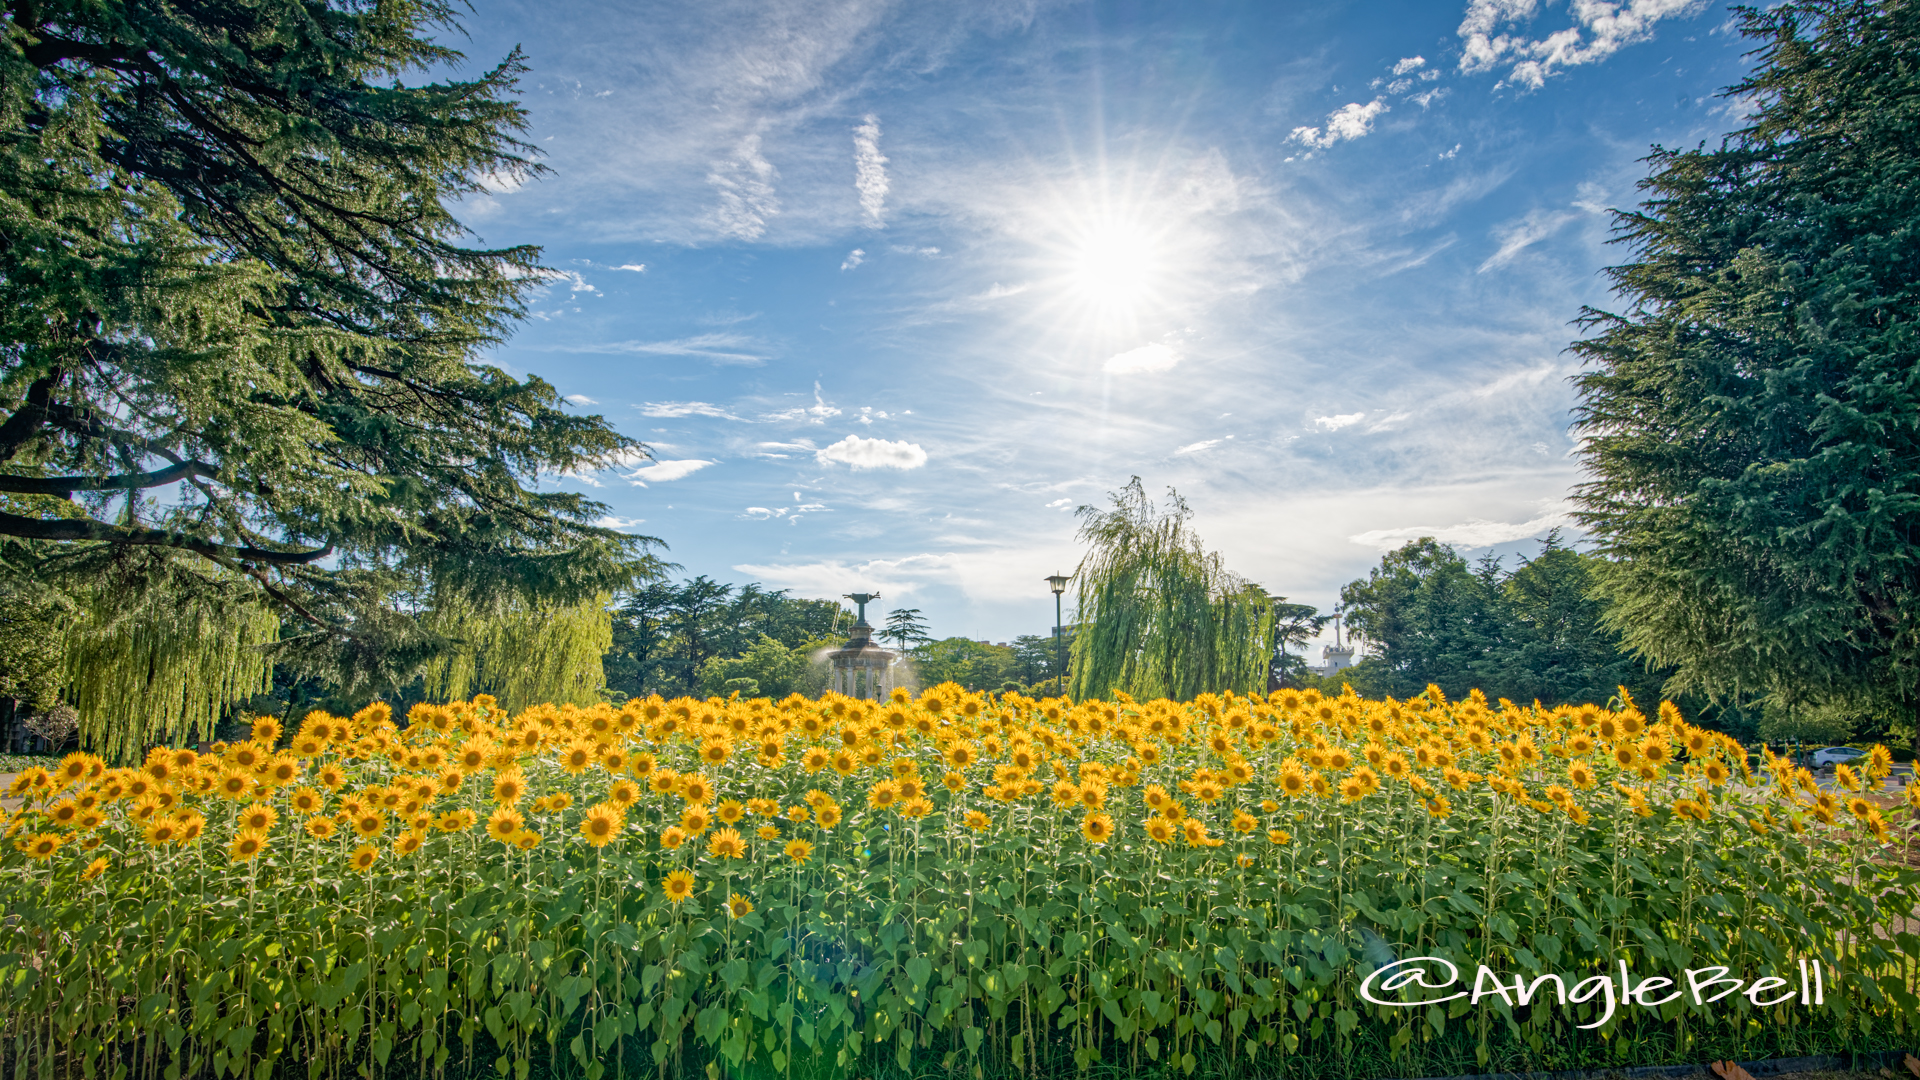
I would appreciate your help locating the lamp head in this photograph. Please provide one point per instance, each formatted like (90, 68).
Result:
(1058, 583)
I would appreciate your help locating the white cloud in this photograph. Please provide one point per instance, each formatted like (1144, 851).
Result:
(1476, 533)
(662, 471)
(1349, 121)
(614, 522)
(872, 453)
(638, 268)
(581, 399)
(1521, 378)
(1059, 504)
(671, 410)
(1154, 357)
(1001, 292)
(745, 184)
(1410, 64)
(870, 171)
(1335, 423)
(575, 284)
(1517, 236)
(501, 182)
(816, 413)
(1194, 448)
(718, 348)
(1601, 29)
(854, 258)
(792, 514)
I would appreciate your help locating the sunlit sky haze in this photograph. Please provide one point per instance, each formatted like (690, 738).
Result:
(890, 289)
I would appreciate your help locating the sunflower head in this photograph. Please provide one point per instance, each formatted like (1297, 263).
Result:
(739, 906)
(601, 824)
(364, 857)
(246, 844)
(1097, 828)
(799, 850)
(678, 885)
(509, 785)
(976, 821)
(696, 790)
(727, 844)
(504, 824)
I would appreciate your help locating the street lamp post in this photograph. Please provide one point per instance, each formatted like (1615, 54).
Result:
(1058, 583)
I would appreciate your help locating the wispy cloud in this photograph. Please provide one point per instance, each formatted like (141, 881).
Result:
(673, 410)
(1194, 448)
(1154, 357)
(662, 471)
(1600, 29)
(872, 453)
(870, 172)
(744, 182)
(638, 268)
(854, 258)
(581, 399)
(1335, 423)
(1349, 121)
(817, 413)
(1476, 533)
(614, 521)
(716, 348)
(1517, 236)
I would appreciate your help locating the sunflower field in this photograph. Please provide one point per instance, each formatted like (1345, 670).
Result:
(955, 884)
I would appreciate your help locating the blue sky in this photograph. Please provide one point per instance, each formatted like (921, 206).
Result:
(891, 288)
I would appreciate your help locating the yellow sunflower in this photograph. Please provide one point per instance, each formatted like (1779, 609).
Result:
(601, 824)
(727, 844)
(246, 844)
(678, 885)
(504, 824)
(1098, 828)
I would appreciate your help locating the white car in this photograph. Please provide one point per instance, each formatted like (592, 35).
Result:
(1836, 755)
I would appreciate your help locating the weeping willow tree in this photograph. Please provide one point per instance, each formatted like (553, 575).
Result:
(159, 653)
(1159, 615)
(522, 652)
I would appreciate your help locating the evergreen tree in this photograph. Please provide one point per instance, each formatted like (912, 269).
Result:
(1752, 414)
(1427, 617)
(666, 636)
(1535, 633)
(905, 628)
(240, 335)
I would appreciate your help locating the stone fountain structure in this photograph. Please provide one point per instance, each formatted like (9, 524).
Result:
(862, 669)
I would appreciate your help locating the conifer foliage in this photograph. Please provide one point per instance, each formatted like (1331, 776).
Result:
(1753, 413)
(241, 333)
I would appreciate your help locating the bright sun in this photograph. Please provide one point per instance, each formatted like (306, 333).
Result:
(1114, 264)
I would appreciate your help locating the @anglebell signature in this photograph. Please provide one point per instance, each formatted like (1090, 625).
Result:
(1706, 985)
